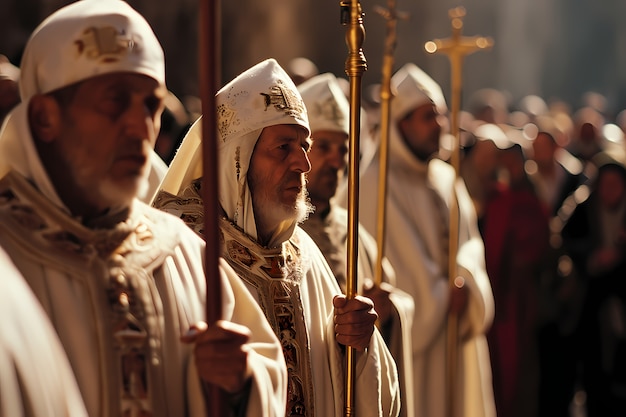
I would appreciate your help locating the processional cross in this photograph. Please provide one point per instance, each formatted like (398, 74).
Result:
(456, 48)
(391, 16)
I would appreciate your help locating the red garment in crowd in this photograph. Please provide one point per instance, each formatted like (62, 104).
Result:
(515, 233)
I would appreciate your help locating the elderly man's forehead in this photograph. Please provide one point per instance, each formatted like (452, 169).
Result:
(330, 136)
(132, 81)
(286, 131)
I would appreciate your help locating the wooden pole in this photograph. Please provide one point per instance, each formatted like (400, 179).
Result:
(209, 67)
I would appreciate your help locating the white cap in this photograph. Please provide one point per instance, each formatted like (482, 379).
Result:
(326, 104)
(413, 88)
(262, 96)
(85, 39)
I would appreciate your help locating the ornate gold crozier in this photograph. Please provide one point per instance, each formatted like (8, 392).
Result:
(356, 65)
(456, 48)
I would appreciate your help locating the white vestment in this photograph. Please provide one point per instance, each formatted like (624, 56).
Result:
(295, 287)
(416, 245)
(330, 232)
(122, 292)
(36, 379)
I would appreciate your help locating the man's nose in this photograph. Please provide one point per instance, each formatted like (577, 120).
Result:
(337, 160)
(301, 162)
(139, 123)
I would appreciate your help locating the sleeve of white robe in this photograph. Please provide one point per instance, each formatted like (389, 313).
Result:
(471, 262)
(399, 326)
(268, 392)
(36, 379)
(377, 387)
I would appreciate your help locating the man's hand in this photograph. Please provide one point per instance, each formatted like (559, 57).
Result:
(379, 294)
(354, 321)
(221, 353)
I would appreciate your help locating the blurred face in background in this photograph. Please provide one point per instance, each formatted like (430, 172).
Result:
(328, 156)
(421, 130)
(611, 187)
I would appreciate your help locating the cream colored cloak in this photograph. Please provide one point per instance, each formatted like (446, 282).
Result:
(416, 245)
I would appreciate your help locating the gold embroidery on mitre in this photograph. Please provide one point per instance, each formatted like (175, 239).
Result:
(329, 110)
(284, 99)
(106, 44)
(225, 119)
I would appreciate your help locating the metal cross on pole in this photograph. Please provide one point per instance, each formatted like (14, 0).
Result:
(456, 48)
(391, 16)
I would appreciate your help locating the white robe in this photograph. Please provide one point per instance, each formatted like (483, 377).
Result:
(310, 295)
(82, 275)
(330, 233)
(416, 248)
(34, 381)
(295, 287)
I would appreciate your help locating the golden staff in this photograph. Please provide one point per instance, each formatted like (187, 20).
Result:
(455, 47)
(352, 17)
(209, 51)
(391, 17)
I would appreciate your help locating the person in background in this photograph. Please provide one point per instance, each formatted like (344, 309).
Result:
(328, 111)
(595, 238)
(419, 193)
(515, 231)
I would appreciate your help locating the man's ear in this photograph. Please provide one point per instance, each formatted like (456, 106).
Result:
(44, 117)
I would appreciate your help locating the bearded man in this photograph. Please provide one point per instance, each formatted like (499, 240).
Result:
(263, 145)
(328, 110)
(420, 193)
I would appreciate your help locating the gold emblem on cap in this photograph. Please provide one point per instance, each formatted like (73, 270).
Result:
(329, 110)
(284, 99)
(225, 119)
(106, 44)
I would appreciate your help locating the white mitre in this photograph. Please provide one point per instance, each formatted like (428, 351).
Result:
(262, 96)
(326, 104)
(413, 88)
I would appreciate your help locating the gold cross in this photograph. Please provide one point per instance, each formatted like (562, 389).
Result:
(456, 48)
